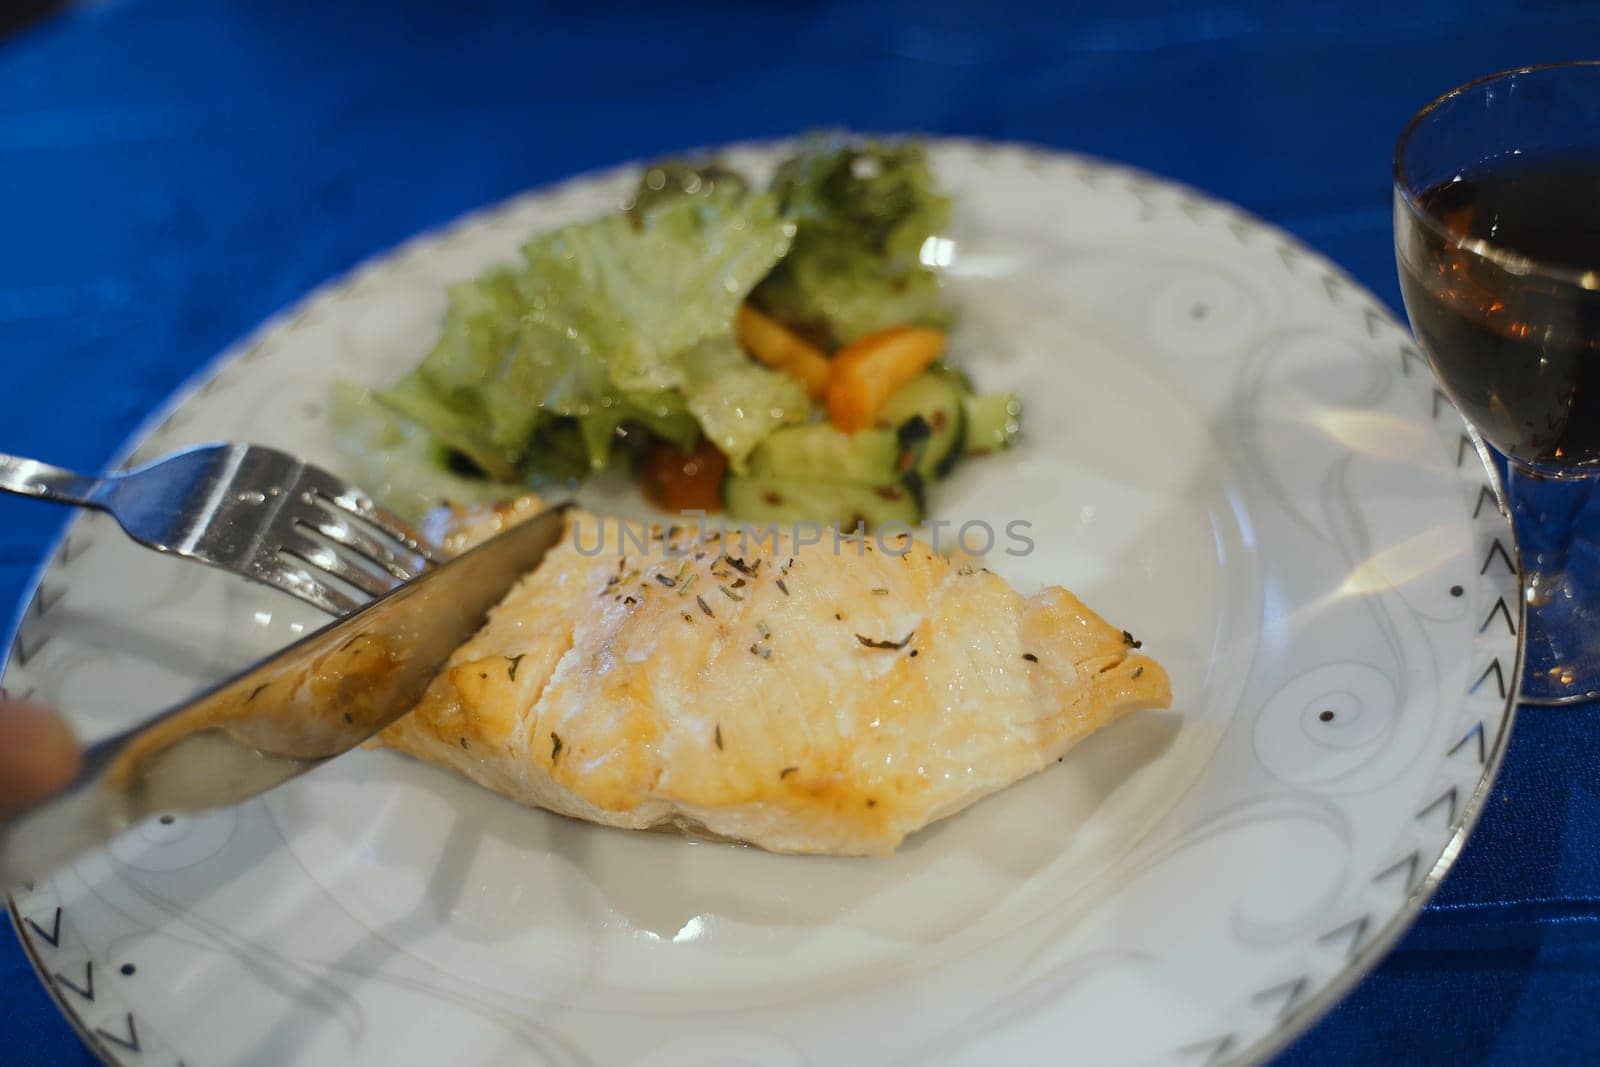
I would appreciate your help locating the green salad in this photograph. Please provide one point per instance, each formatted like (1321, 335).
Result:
(778, 353)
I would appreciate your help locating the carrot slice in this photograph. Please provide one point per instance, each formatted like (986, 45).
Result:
(773, 343)
(867, 371)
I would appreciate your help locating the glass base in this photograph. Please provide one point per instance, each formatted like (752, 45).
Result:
(1561, 659)
(1558, 531)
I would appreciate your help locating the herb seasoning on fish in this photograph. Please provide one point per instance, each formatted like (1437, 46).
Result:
(873, 642)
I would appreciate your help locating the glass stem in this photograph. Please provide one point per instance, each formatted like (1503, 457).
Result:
(1560, 582)
(1546, 510)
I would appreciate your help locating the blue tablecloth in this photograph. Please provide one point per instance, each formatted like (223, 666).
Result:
(171, 172)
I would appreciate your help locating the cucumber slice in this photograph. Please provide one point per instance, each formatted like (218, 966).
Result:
(842, 504)
(820, 453)
(992, 420)
(935, 396)
(956, 376)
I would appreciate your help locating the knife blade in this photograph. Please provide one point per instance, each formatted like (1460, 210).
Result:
(284, 715)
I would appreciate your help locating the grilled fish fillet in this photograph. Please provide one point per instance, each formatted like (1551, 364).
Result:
(767, 692)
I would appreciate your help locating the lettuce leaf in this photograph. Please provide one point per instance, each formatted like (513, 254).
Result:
(862, 215)
(662, 412)
(737, 401)
(595, 326)
(396, 459)
(447, 392)
(674, 178)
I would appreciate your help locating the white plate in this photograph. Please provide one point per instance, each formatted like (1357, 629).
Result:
(1231, 450)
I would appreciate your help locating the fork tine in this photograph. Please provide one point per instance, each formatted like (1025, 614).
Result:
(300, 582)
(348, 498)
(328, 558)
(341, 531)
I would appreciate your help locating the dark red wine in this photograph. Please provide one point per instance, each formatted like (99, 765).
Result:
(1517, 347)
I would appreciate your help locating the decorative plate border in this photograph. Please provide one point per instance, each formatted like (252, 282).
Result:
(1277, 1013)
(1364, 936)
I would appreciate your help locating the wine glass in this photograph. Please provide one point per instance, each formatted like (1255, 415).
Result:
(1497, 238)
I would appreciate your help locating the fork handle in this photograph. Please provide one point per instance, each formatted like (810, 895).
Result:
(29, 477)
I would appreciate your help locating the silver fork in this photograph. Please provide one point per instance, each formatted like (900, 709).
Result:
(251, 510)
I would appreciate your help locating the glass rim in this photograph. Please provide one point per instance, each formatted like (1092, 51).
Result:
(1514, 262)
